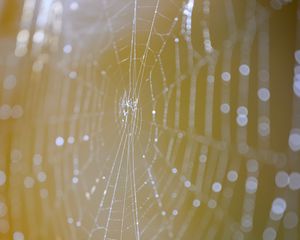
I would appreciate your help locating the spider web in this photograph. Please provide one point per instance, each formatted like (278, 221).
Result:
(150, 131)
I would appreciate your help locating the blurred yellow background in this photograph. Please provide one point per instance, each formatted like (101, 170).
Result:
(149, 119)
